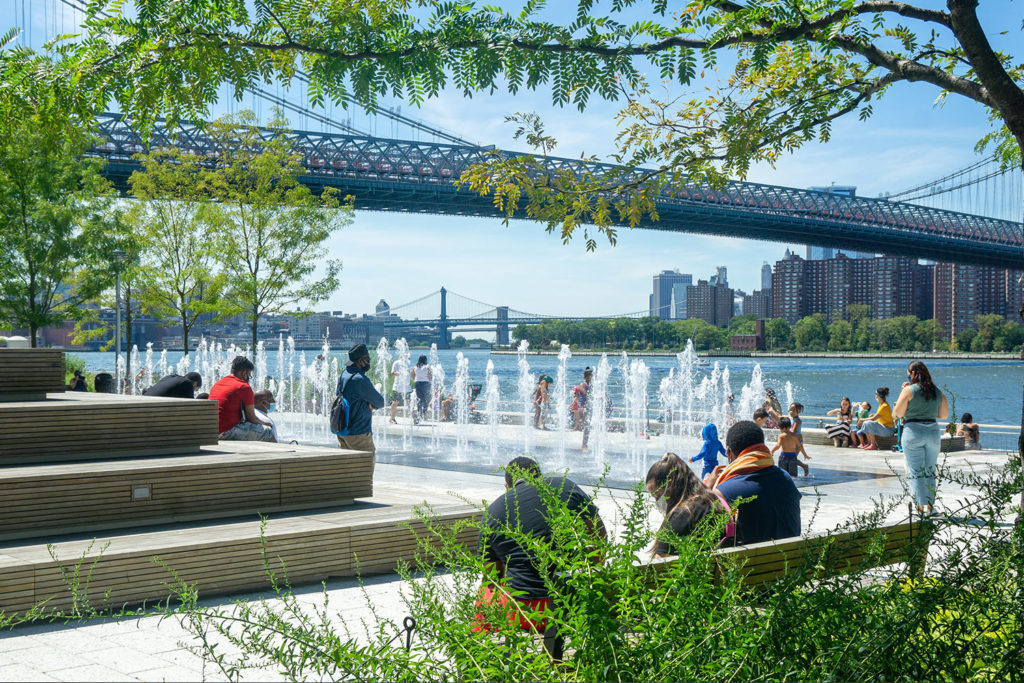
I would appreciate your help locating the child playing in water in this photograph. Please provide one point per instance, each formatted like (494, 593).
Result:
(791, 446)
(794, 416)
(710, 450)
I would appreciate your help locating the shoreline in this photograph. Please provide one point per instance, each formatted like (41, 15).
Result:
(896, 355)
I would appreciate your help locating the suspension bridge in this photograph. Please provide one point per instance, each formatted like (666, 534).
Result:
(385, 174)
(416, 175)
(471, 315)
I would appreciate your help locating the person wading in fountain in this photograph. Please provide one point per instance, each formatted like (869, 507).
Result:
(362, 398)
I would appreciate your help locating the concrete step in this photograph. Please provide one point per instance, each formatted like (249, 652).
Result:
(370, 537)
(230, 479)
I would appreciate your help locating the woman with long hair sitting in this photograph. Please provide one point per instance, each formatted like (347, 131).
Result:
(684, 500)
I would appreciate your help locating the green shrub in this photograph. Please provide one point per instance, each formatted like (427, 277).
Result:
(695, 621)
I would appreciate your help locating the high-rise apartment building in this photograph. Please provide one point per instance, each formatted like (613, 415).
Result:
(891, 286)
(759, 303)
(788, 288)
(661, 297)
(962, 292)
(766, 276)
(711, 303)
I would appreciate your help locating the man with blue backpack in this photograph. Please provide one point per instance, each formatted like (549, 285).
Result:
(352, 412)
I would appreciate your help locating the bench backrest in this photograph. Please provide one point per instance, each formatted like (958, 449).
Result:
(822, 554)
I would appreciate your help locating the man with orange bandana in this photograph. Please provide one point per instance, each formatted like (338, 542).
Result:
(774, 509)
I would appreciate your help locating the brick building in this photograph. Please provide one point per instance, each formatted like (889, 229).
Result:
(759, 303)
(963, 292)
(890, 285)
(710, 303)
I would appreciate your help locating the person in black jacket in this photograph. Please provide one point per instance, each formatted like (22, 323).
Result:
(362, 398)
(176, 386)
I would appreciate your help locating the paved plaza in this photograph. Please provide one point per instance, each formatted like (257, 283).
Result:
(155, 649)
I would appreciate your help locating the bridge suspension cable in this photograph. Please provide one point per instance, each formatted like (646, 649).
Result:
(983, 187)
(301, 110)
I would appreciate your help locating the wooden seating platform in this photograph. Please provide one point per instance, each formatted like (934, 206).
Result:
(832, 554)
(74, 426)
(230, 479)
(366, 538)
(819, 437)
(30, 374)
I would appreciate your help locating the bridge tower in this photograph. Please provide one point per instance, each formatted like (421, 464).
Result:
(502, 328)
(443, 336)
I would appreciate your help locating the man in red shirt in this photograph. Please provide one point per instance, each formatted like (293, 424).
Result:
(236, 418)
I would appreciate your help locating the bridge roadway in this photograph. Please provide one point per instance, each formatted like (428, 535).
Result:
(420, 177)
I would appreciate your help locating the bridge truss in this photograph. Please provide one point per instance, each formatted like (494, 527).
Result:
(402, 175)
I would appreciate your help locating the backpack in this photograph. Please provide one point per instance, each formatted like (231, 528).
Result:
(340, 411)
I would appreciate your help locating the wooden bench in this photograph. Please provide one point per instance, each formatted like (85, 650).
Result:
(30, 374)
(74, 426)
(821, 555)
(828, 554)
(222, 558)
(235, 478)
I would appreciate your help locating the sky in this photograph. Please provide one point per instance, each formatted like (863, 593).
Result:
(401, 257)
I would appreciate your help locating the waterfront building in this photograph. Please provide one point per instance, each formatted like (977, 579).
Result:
(962, 292)
(890, 286)
(661, 297)
(749, 342)
(759, 303)
(711, 303)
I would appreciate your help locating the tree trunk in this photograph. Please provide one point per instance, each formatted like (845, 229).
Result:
(255, 327)
(184, 335)
(128, 377)
(32, 329)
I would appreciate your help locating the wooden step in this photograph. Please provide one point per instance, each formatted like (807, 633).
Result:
(76, 426)
(227, 480)
(367, 538)
(30, 374)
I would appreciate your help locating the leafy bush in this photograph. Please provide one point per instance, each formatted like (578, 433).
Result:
(694, 621)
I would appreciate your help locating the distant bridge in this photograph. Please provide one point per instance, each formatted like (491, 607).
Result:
(468, 313)
(401, 175)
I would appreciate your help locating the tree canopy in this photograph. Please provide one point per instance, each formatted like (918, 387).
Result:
(787, 71)
(57, 233)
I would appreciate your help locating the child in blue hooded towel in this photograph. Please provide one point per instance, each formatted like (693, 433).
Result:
(709, 451)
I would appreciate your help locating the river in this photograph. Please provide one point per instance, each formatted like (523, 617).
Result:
(988, 389)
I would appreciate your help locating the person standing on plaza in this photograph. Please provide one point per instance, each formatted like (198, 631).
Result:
(401, 386)
(920, 404)
(422, 376)
(362, 399)
(540, 400)
(236, 412)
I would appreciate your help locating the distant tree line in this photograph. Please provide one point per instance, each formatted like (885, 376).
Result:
(859, 332)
